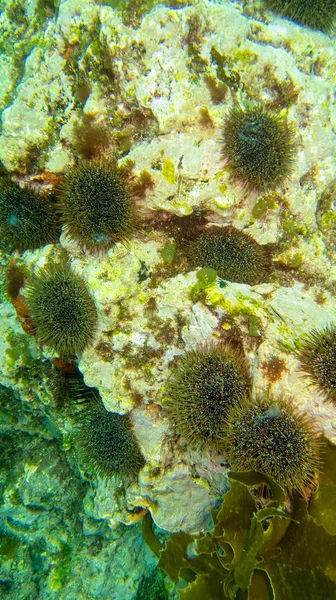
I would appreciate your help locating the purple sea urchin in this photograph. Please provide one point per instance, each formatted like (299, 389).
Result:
(317, 357)
(235, 255)
(203, 388)
(258, 147)
(274, 439)
(95, 205)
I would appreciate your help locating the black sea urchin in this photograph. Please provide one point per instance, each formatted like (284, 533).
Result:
(317, 14)
(258, 147)
(274, 439)
(235, 255)
(203, 388)
(95, 205)
(106, 443)
(27, 221)
(317, 356)
(62, 310)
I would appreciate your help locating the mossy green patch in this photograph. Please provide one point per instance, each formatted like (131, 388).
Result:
(19, 349)
(206, 279)
(292, 226)
(206, 276)
(168, 252)
(168, 171)
(246, 308)
(328, 220)
(8, 547)
(262, 205)
(61, 571)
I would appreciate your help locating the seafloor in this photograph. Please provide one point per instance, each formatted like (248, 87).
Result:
(152, 83)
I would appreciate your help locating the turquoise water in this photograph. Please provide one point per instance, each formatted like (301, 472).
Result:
(167, 252)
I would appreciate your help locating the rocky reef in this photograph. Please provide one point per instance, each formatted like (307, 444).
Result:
(149, 87)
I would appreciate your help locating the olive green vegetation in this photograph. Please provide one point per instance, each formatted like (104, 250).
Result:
(106, 443)
(326, 218)
(274, 438)
(168, 252)
(201, 390)
(233, 254)
(155, 585)
(95, 205)
(317, 355)
(317, 14)
(206, 276)
(133, 10)
(62, 310)
(27, 220)
(259, 548)
(258, 146)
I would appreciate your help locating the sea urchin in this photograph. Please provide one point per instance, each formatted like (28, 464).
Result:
(205, 385)
(317, 356)
(258, 147)
(274, 439)
(106, 443)
(95, 205)
(62, 310)
(27, 220)
(235, 255)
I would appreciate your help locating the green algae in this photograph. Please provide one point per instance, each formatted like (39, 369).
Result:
(61, 571)
(19, 349)
(8, 547)
(206, 276)
(225, 68)
(20, 34)
(168, 171)
(292, 226)
(262, 205)
(168, 252)
(133, 11)
(246, 308)
(154, 585)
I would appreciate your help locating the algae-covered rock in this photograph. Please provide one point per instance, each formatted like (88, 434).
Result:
(326, 218)
(154, 83)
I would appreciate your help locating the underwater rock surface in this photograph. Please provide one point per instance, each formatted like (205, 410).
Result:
(83, 79)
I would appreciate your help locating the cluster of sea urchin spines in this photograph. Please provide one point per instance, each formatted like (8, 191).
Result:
(317, 356)
(106, 443)
(258, 147)
(28, 220)
(62, 310)
(275, 439)
(95, 204)
(232, 253)
(319, 14)
(200, 392)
